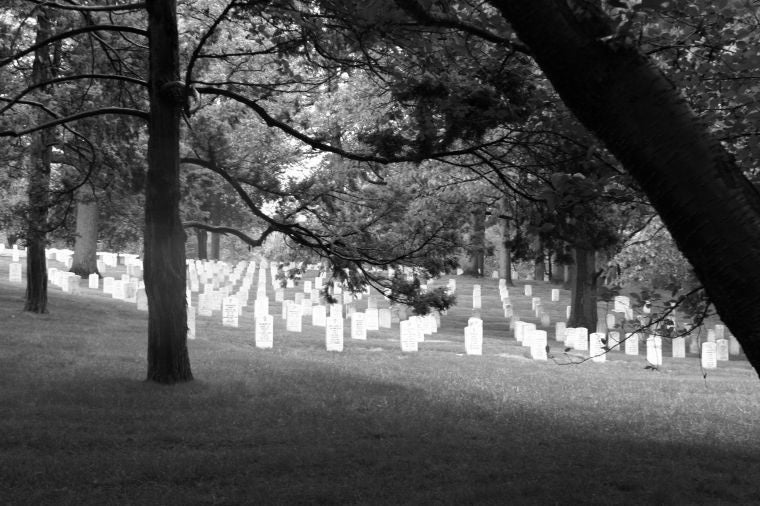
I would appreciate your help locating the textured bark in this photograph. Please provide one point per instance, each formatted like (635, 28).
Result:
(584, 311)
(38, 190)
(202, 237)
(710, 208)
(477, 249)
(164, 264)
(85, 259)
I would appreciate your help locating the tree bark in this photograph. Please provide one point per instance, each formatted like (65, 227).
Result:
(504, 251)
(539, 267)
(710, 208)
(477, 249)
(38, 191)
(164, 264)
(202, 237)
(85, 259)
(584, 310)
(215, 244)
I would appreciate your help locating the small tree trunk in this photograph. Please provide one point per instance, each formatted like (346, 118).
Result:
(539, 267)
(202, 237)
(164, 264)
(85, 259)
(505, 253)
(215, 245)
(584, 311)
(477, 241)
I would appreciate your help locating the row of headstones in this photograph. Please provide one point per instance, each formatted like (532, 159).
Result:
(597, 344)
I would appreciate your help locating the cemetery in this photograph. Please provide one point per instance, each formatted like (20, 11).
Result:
(480, 405)
(388, 252)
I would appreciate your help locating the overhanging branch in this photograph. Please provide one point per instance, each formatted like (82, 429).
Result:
(232, 231)
(67, 119)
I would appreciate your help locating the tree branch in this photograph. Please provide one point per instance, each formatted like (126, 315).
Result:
(72, 33)
(91, 8)
(255, 243)
(66, 119)
(14, 100)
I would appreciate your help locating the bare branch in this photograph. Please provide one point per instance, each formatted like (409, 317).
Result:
(72, 33)
(229, 230)
(14, 100)
(91, 8)
(67, 119)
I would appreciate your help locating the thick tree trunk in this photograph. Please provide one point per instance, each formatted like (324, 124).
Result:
(202, 237)
(85, 259)
(164, 264)
(477, 249)
(38, 191)
(710, 208)
(584, 310)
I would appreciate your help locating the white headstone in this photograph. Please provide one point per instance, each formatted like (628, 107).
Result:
(678, 347)
(108, 285)
(721, 350)
(621, 304)
(319, 316)
(14, 272)
(372, 319)
(555, 294)
(117, 290)
(384, 318)
(230, 311)
(528, 290)
(560, 331)
(613, 340)
(473, 340)
(580, 342)
(409, 341)
(260, 307)
(709, 357)
(654, 350)
(93, 281)
(596, 347)
(610, 320)
(294, 317)
(631, 343)
(538, 341)
(264, 334)
(334, 333)
(358, 326)
(720, 331)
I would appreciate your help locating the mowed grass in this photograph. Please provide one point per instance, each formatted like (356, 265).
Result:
(299, 425)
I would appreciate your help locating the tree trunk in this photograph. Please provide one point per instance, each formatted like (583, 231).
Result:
(584, 311)
(202, 237)
(164, 264)
(477, 248)
(710, 208)
(539, 267)
(215, 243)
(38, 191)
(85, 260)
(504, 250)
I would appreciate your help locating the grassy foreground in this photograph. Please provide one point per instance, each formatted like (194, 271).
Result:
(298, 425)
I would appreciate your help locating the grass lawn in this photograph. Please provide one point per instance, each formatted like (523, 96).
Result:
(299, 425)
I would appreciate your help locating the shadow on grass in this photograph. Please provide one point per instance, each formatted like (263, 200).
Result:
(317, 436)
